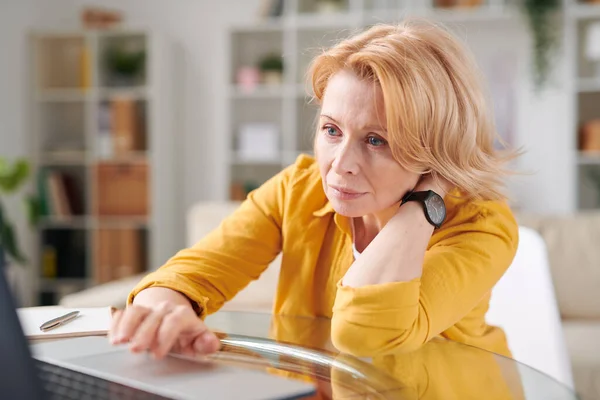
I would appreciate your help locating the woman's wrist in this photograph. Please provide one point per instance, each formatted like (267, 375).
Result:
(155, 295)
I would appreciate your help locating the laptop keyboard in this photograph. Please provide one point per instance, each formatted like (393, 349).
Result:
(62, 383)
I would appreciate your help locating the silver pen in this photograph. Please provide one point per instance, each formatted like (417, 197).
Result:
(56, 322)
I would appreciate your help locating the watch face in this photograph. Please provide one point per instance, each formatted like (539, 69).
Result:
(436, 209)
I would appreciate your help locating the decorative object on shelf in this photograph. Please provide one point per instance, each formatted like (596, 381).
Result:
(589, 140)
(546, 33)
(12, 178)
(592, 46)
(457, 3)
(258, 142)
(271, 68)
(248, 78)
(329, 6)
(125, 62)
(100, 18)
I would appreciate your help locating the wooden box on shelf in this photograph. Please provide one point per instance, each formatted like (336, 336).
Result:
(121, 189)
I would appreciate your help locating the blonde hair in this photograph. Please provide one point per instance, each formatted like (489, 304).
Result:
(438, 117)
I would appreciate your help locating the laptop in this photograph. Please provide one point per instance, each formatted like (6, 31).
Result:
(91, 368)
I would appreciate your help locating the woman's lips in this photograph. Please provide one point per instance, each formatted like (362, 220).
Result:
(344, 194)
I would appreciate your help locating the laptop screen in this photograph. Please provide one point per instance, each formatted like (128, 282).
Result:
(18, 379)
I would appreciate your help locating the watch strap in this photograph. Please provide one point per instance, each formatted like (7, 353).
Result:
(415, 196)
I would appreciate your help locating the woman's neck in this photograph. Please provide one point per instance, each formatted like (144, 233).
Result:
(365, 228)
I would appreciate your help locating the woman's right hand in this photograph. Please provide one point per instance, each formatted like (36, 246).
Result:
(163, 326)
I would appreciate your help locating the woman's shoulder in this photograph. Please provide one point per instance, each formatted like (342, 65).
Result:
(304, 189)
(485, 216)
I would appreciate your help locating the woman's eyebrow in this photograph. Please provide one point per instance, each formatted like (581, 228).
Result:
(371, 127)
(329, 117)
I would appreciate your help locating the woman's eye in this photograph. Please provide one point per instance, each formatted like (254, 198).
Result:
(331, 131)
(375, 141)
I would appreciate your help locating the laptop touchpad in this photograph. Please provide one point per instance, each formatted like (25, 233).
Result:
(182, 378)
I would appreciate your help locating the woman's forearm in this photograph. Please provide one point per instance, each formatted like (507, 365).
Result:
(396, 254)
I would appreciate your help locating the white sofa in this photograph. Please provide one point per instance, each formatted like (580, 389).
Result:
(537, 321)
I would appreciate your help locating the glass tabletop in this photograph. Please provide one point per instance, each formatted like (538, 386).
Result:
(300, 348)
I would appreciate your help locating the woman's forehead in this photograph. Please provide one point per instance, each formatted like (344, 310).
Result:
(351, 99)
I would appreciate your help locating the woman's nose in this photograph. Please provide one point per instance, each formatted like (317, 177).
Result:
(347, 160)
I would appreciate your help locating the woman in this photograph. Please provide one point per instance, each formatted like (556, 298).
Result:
(398, 229)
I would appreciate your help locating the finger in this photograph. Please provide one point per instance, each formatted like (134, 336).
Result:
(131, 319)
(173, 324)
(187, 349)
(206, 343)
(184, 344)
(145, 335)
(114, 324)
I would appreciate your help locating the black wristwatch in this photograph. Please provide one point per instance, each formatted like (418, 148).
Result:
(433, 205)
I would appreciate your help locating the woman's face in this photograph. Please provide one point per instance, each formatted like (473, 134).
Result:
(360, 176)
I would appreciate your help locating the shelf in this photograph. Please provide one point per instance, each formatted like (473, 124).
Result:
(53, 284)
(259, 92)
(237, 159)
(274, 24)
(133, 157)
(63, 95)
(89, 222)
(584, 11)
(74, 222)
(121, 222)
(476, 14)
(136, 92)
(589, 158)
(74, 158)
(74, 103)
(334, 21)
(587, 85)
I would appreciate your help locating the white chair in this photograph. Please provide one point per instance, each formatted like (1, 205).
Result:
(524, 304)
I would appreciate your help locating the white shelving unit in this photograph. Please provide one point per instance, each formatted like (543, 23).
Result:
(585, 98)
(298, 35)
(69, 83)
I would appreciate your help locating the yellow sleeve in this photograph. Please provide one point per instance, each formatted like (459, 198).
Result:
(462, 265)
(225, 261)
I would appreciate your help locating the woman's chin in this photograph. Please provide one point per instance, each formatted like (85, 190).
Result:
(348, 209)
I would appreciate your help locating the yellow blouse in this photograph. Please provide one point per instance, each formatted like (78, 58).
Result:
(291, 214)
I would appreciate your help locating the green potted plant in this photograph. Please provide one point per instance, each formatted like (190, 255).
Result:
(12, 178)
(545, 29)
(271, 68)
(125, 64)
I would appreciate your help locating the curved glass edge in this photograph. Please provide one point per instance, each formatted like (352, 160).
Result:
(302, 345)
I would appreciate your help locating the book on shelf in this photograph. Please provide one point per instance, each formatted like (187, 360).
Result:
(59, 194)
